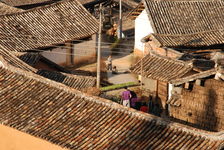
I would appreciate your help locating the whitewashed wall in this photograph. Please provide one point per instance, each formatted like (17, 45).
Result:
(142, 29)
(170, 88)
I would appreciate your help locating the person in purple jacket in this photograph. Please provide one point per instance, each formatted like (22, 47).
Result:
(126, 95)
(133, 100)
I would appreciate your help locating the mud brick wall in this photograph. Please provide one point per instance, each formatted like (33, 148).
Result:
(161, 51)
(202, 107)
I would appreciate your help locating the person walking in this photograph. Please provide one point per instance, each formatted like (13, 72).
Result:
(126, 95)
(109, 63)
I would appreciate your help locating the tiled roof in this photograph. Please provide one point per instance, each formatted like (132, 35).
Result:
(128, 3)
(136, 11)
(84, 2)
(74, 81)
(193, 77)
(32, 2)
(73, 120)
(178, 17)
(13, 60)
(53, 65)
(200, 39)
(47, 25)
(186, 23)
(24, 2)
(161, 68)
(5, 9)
(28, 57)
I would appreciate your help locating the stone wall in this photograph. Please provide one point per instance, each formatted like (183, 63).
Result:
(202, 107)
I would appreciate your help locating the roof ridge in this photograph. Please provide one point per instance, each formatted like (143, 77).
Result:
(6, 9)
(71, 21)
(185, 1)
(113, 105)
(194, 76)
(177, 35)
(43, 7)
(48, 6)
(28, 67)
(91, 98)
(170, 59)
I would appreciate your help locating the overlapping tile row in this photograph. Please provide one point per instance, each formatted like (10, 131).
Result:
(136, 11)
(71, 119)
(90, 1)
(47, 25)
(24, 2)
(185, 17)
(74, 81)
(193, 77)
(189, 40)
(5, 9)
(23, 59)
(13, 60)
(160, 68)
(130, 3)
(53, 65)
(28, 57)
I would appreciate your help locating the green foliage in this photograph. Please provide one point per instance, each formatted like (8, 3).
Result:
(115, 44)
(118, 86)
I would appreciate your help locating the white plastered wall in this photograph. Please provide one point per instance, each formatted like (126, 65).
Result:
(142, 29)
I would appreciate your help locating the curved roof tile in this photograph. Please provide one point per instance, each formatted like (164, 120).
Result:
(45, 26)
(73, 81)
(207, 38)
(24, 2)
(5, 9)
(186, 23)
(74, 120)
(185, 17)
(161, 68)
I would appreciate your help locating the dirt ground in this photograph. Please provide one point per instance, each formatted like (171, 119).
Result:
(12, 139)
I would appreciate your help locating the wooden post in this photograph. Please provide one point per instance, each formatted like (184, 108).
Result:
(120, 21)
(69, 53)
(99, 49)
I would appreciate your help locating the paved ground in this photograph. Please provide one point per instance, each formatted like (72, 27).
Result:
(123, 64)
(122, 56)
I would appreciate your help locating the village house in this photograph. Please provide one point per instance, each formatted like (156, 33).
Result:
(34, 27)
(43, 66)
(74, 81)
(185, 32)
(37, 61)
(70, 51)
(157, 71)
(188, 86)
(66, 117)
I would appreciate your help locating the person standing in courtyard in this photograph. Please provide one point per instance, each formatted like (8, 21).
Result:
(126, 95)
(109, 63)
